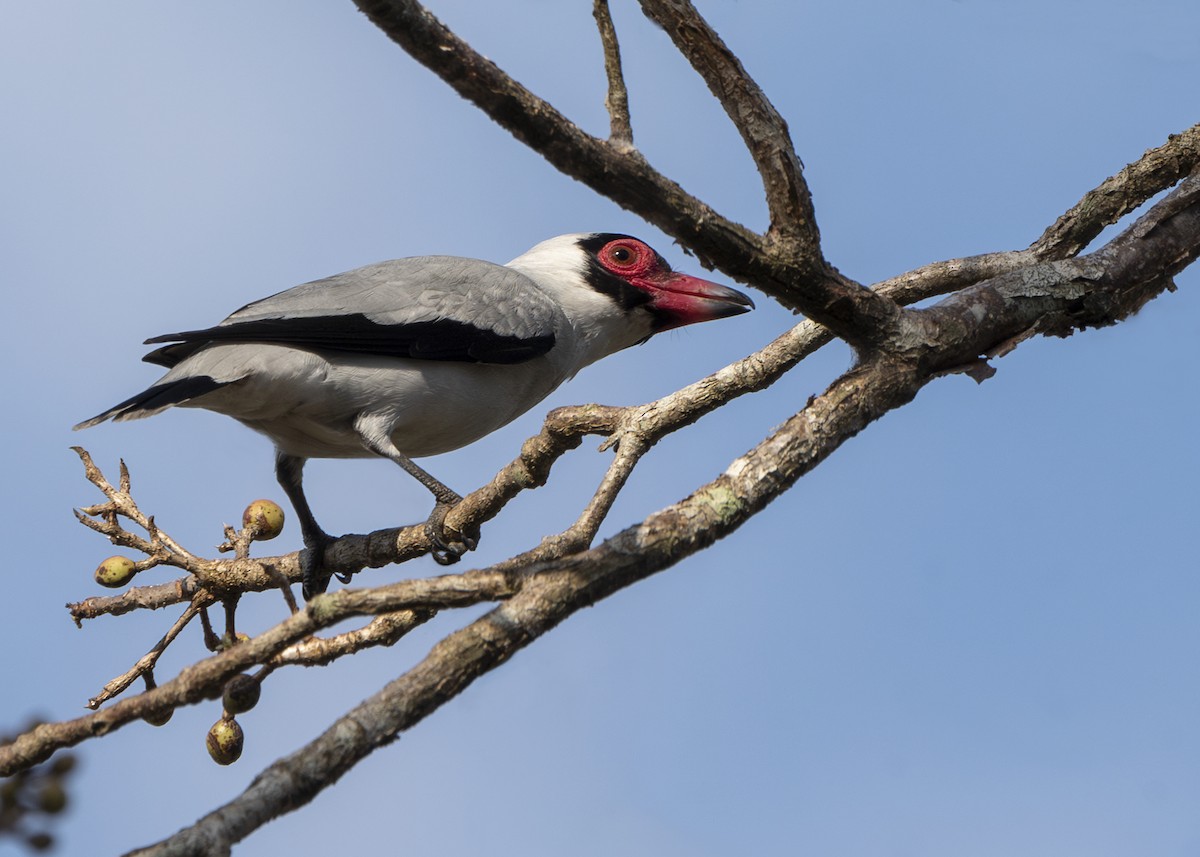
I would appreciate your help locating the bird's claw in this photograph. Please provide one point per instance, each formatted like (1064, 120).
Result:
(312, 567)
(444, 550)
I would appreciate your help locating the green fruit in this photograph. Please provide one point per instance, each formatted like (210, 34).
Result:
(10, 792)
(160, 718)
(52, 799)
(63, 764)
(241, 694)
(263, 519)
(39, 841)
(115, 571)
(227, 642)
(224, 741)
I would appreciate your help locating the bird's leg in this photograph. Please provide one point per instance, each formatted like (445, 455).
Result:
(443, 551)
(289, 470)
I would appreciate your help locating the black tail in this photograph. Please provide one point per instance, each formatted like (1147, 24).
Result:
(158, 398)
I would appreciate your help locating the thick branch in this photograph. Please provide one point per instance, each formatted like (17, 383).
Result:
(1058, 298)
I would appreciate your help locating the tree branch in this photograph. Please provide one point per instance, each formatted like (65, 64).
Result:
(1001, 299)
(564, 428)
(384, 630)
(549, 593)
(617, 100)
(783, 269)
(624, 177)
(1157, 170)
(1060, 297)
(1118, 195)
(1165, 239)
(1055, 297)
(201, 680)
(146, 663)
(763, 129)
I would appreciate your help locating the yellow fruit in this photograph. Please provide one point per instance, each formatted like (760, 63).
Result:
(264, 520)
(224, 741)
(227, 642)
(115, 571)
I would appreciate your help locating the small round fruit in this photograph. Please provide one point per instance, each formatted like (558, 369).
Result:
(39, 841)
(161, 718)
(241, 694)
(10, 793)
(115, 571)
(63, 764)
(224, 741)
(264, 520)
(52, 799)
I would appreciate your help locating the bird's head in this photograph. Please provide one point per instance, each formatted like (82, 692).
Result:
(631, 275)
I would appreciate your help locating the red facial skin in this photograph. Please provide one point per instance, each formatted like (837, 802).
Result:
(676, 299)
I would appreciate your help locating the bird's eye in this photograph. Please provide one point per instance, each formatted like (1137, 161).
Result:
(622, 254)
(628, 257)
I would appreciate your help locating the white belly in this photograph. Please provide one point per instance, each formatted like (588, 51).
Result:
(307, 405)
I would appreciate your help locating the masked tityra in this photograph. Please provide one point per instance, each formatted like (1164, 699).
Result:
(420, 356)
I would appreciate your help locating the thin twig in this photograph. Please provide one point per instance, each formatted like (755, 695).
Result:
(152, 597)
(617, 99)
(562, 431)
(145, 664)
(121, 503)
(202, 679)
(630, 449)
(384, 630)
(1118, 195)
(763, 129)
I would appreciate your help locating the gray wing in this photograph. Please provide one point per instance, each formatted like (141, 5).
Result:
(425, 308)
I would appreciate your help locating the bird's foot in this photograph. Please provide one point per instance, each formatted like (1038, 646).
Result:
(444, 549)
(312, 566)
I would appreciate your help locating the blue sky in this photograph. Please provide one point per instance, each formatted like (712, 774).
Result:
(970, 631)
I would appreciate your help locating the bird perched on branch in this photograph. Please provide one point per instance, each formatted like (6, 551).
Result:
(419, 356)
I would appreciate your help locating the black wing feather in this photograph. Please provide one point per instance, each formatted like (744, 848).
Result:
(354, 333)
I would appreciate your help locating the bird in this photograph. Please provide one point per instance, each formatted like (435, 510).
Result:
(418, 356)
